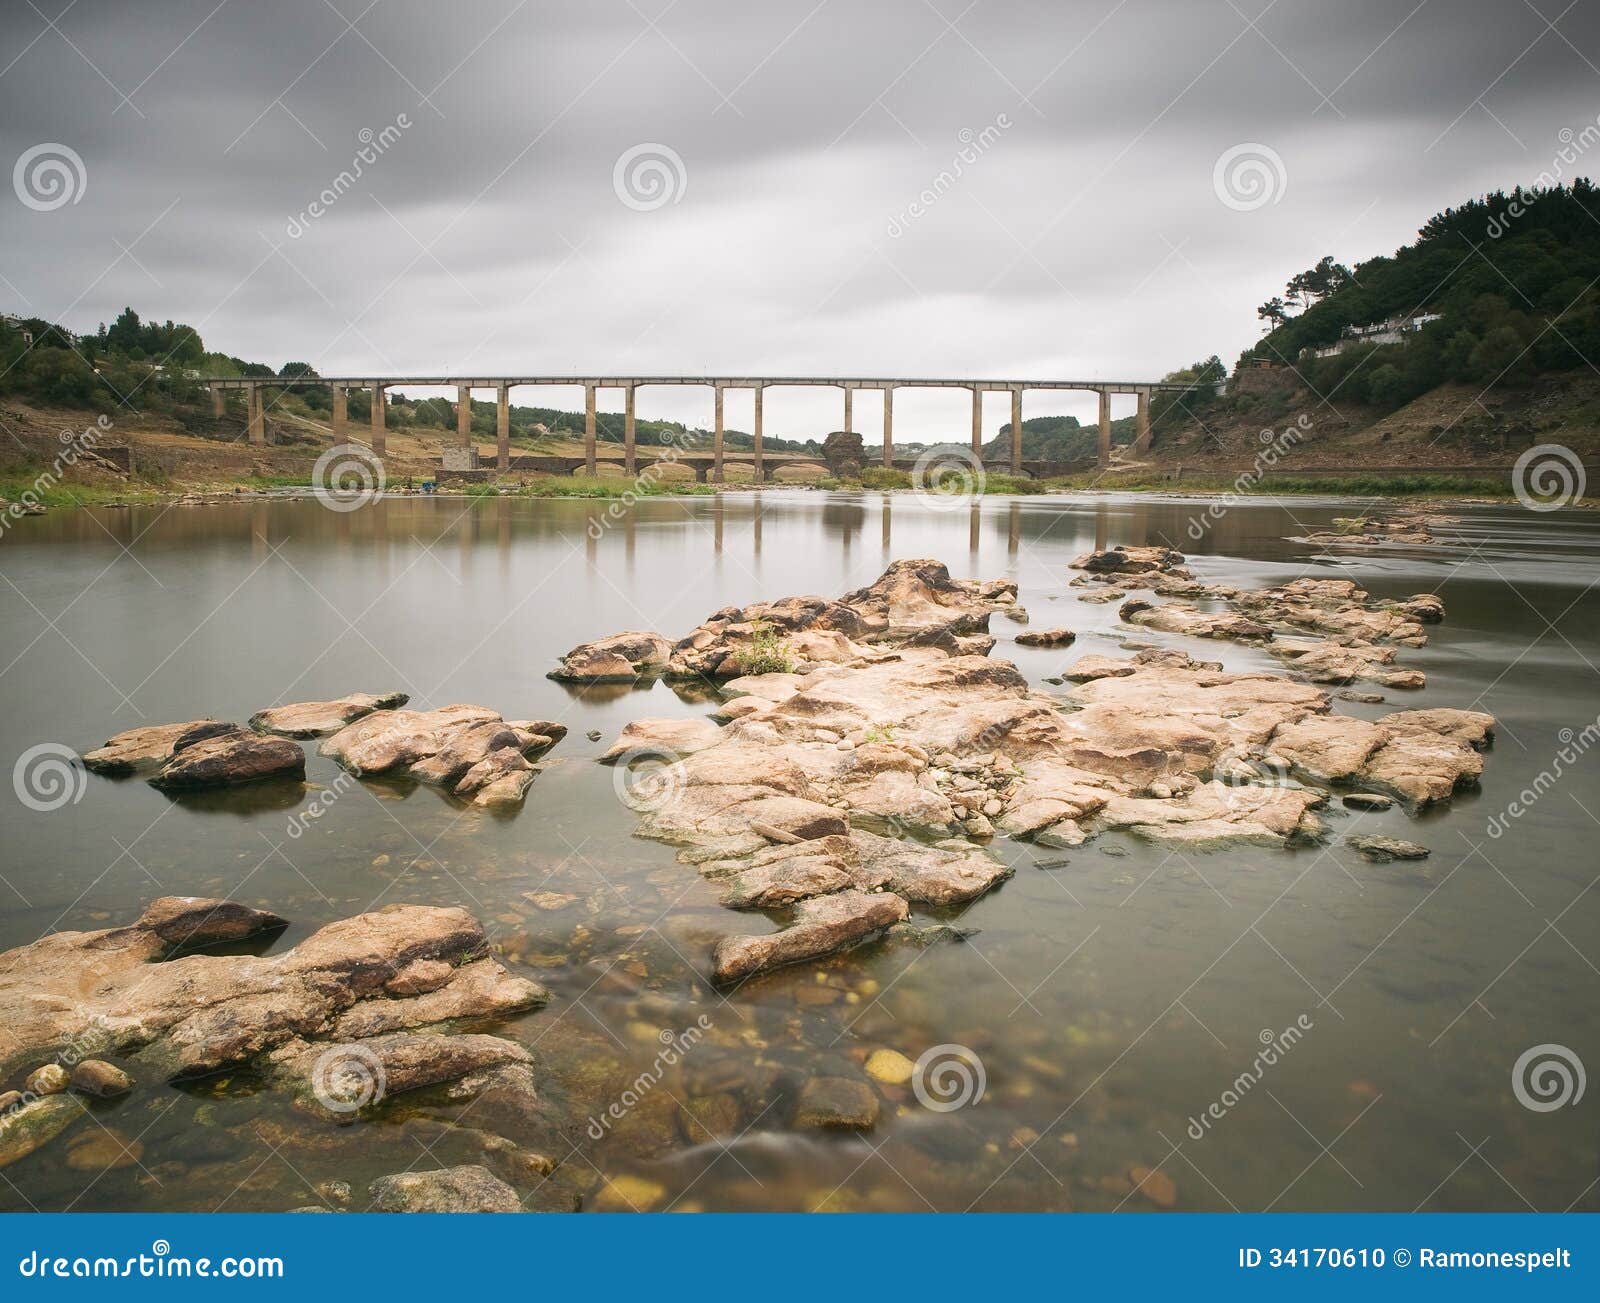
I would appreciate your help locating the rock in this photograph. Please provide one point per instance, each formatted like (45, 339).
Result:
(1045, 638)
(419, 977)
(1156, 1186)
(102, 1150)
(1182, 617)
(821, 926)
(1379, 849)
(48, 1079)
(314, 718)
(25, 1129)
(844, 453)
(99, 1078)
(890, 1067)
(628, 1194)
(380, 1066)
(1124, 561)
(467, 749)
(467, 1189)
(150, 747)
(9, 1099)
(229, 759)
(621, 658)
(499, 781)
(1367, 801)
(836, 1102)
(1364, 698)
(671, 738)
(199, 1013)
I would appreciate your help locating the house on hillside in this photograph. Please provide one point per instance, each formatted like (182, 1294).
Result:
(1392, 331)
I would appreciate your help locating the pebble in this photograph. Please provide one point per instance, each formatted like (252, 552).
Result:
(1157, 1187)
(51, 1079)
(890, 1067)
(628, 1194)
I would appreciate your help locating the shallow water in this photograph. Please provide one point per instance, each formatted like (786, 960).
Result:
(1111, 997)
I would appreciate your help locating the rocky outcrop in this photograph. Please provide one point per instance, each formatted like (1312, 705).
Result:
(662, 737)
(819, 797)
(148, 748)
(199, 1013)
(469, 750)
(912, 603)
(621, 658)
(308, 719)
(229, 759)
(1184, 617)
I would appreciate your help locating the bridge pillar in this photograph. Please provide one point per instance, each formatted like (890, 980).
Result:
(588, 430)
(849, 420)
(380, 437)
(341, 414)
(757, 435)
(630, 455)
(1103, 447)
(464, 415)
(977, 423)
(716, 438)
(1141, 428)
(888, 427)
(502, 429)
(257, 421)
(219, 402)
(1016, 431)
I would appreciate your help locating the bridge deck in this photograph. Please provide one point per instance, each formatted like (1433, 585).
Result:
(713, 381)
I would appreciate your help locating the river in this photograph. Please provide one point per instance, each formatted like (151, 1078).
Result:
(1112, 993)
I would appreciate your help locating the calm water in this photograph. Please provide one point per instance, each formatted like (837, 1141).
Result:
(1111, 997)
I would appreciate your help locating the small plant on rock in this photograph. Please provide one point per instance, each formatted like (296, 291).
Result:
(767, 652)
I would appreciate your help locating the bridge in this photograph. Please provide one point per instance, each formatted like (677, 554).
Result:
(465, 456)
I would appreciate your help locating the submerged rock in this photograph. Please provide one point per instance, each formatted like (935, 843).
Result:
(820, 927)
(1379, 849)
(836, 1102)
(314, 718)
(25, 1129)
(466, 1189)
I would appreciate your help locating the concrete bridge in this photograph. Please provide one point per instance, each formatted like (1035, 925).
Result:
(465, 457)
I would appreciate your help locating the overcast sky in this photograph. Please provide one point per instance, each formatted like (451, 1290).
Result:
(769, 226)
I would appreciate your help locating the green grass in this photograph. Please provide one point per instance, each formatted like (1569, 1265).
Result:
(595, 486)
(12, 489)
